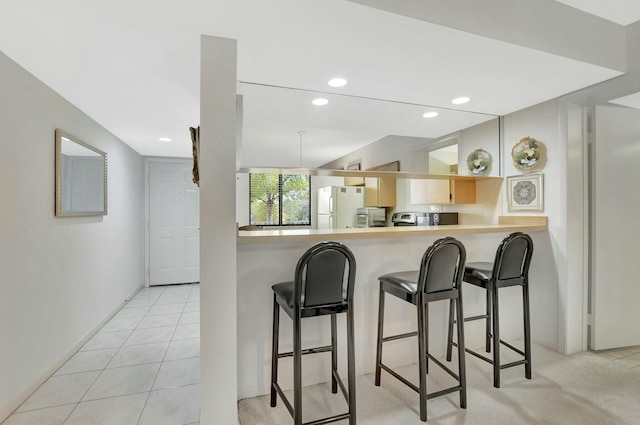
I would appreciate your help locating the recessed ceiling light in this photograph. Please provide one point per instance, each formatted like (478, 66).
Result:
(460, 100)
(430, 114)
(164, 139)
(320, 101)
(337, 82)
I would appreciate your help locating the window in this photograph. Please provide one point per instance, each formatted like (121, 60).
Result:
(279, 200)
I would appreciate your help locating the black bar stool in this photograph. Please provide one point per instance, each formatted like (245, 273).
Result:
(439, 279)
(323, 284)
(510, 268)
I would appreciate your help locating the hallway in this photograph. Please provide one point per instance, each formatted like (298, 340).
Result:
(141, 368)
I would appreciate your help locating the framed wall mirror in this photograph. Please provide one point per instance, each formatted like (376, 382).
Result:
(81, 177)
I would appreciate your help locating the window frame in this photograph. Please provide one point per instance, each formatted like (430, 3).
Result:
(280, 203)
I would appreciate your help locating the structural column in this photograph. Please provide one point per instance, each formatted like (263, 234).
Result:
(218, 330)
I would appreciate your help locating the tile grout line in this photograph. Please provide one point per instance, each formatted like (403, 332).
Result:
(99, 375)
(117, 349)
(160, 368)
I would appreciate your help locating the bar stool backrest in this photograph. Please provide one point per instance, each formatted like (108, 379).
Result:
(442, 266)
(513, 258)
(325, 276)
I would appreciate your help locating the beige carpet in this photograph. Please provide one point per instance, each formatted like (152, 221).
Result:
(583, 389)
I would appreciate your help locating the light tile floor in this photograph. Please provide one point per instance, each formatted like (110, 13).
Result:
(628, 357)
(582, 389)
(141, 368)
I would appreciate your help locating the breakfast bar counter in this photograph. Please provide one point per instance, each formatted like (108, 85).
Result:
(267, 257)
(506, 224)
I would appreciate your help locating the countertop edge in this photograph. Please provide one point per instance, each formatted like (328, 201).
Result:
(306, 235)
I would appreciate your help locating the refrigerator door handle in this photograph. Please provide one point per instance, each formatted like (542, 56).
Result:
(331, 205)
(331, 222)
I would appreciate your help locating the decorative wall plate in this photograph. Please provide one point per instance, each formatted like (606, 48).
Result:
(527, 154)
(479, 163)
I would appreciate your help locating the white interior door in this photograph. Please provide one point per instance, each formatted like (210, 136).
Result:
(174, 224)
(615, 202)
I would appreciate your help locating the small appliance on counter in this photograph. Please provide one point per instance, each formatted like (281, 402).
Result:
(424, 218)
(371, 217)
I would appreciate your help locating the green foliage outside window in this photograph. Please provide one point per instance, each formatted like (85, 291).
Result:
(279, 200)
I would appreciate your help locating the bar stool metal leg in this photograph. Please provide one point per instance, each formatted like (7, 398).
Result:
(297, 371)
(450, 329)
(495, 319)
(425, 316)
(274, 350)
(527, 331)
(462, 370)
(334, 354)
(422, 360)
(351, 367)
(380, 336)
(487, 324)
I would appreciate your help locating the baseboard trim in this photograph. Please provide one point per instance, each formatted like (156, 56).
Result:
(20, 398)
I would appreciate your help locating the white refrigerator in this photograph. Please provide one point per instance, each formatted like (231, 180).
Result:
(337, 206)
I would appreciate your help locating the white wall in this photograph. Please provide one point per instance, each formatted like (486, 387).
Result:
(542, 123)
(633, 44)
(387, 149)
(61, 277)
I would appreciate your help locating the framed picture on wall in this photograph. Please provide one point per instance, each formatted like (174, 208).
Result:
(525, 192)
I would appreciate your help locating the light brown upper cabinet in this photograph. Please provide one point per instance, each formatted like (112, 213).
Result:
(380, 191)
(354, 181)
(442, 191)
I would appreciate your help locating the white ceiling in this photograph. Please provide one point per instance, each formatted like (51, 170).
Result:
(134, 68)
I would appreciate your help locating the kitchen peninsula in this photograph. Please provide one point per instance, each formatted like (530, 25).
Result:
(506, 224)
(266, 257)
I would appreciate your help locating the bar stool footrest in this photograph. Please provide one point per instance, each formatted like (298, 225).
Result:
(417, 389)
(471, 318)
(400, 378)
(315, 350)
(284, 398)
(399, 336)
(480, 356)
(506, 344)
(443, 392)
(341, 385)
(512, 364)
(322, 421)
(444, 367)
(329, 420)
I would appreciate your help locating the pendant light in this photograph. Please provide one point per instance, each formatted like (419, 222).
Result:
(301, 132)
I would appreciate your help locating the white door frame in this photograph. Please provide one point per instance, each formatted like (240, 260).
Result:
(147, 199)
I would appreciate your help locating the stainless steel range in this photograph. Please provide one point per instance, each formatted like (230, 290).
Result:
(424, 218)
(410, 219)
